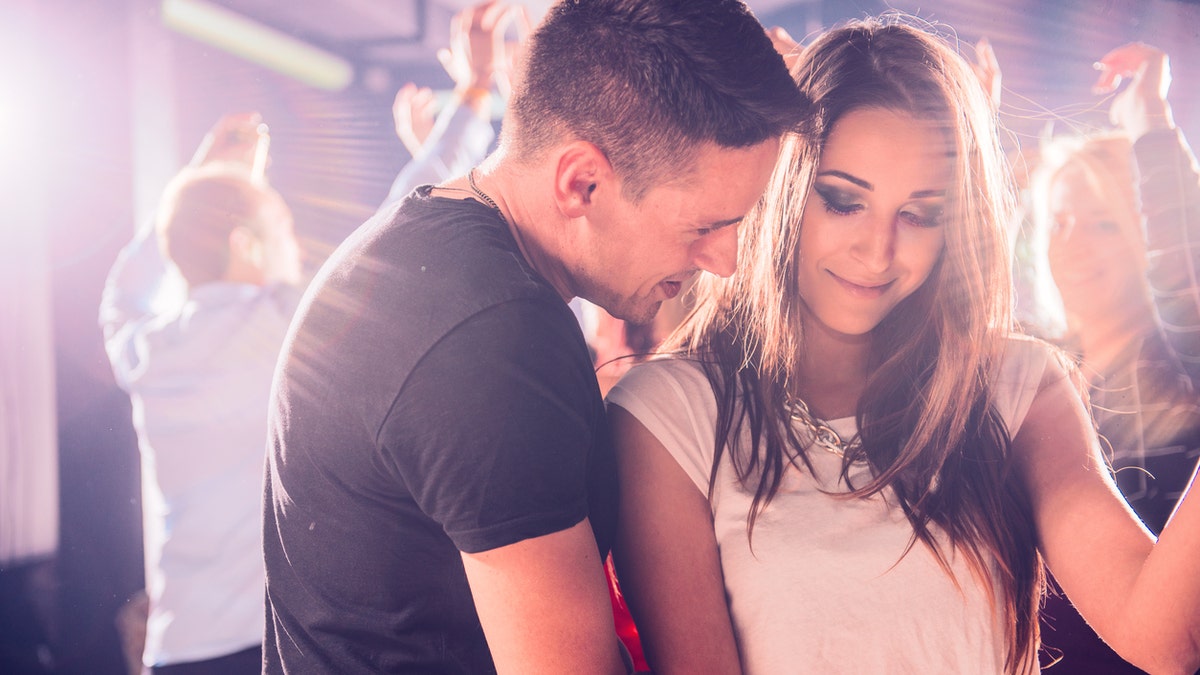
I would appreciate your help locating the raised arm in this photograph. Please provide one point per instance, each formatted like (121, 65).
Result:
(456, 141)
(785, 44)
(238, 138)
(666, 558)
(1142, 106)
(413, 113)
(133, 290)
(1142, 598)
(462, 132)
(130, 299)
(1169, 190)
(987, 69)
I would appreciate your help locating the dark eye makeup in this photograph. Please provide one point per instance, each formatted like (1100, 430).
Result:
(836, 201)
(841, 203)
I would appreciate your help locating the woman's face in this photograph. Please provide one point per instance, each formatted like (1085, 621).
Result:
(872, 227)
(1096, 255)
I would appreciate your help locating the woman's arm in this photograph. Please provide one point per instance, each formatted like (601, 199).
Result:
(666, 558)
(1143, 599)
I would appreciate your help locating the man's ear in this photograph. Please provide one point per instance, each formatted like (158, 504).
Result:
(244, 245)
(246, 257)
(581, 168)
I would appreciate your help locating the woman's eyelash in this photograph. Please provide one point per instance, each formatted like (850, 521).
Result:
(835, 206)
(844, 207)
(931, 219)
(838, 209)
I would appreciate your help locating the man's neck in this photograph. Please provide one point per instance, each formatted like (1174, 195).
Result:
(523, 197)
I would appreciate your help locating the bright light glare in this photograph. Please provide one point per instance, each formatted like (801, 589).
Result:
(20, 130)
(255, 42)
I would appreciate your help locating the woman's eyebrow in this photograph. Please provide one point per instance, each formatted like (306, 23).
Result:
(847, 177)
(919, 194)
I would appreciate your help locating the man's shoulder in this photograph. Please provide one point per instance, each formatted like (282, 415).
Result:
(433, 255)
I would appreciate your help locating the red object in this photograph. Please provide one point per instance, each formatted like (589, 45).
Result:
(626, 630)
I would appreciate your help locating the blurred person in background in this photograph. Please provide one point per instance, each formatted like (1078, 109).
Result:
(1118, 214)
(198, 371)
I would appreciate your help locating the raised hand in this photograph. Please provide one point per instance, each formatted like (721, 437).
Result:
(241, 138)
(506, 74)
(413, 112)
(785, 44)
(1142, 105)
(477, 49)
(987, 69)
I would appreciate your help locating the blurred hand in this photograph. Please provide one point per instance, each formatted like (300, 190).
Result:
(987, 69)
(1142, 105)
(477, 49)
(413, 111)
(786, 45)
(514, 52)
(241, 138)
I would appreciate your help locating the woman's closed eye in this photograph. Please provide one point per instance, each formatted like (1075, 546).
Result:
(841, 203)
(925, 216)
(837, 202)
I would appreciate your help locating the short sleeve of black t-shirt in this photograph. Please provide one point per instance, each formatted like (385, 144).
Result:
(493, 433)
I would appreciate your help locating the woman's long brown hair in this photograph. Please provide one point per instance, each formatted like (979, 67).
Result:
(926, 420)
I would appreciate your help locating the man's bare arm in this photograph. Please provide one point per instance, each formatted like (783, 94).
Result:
(544, 605)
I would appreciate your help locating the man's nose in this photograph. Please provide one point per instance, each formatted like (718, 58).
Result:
(717, 251)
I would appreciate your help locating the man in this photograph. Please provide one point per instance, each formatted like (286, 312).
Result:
(199, 375)
(441, 490)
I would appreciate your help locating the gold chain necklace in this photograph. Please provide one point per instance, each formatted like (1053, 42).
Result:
(823, 434)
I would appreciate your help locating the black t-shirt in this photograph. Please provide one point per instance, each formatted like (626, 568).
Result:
(435, 395)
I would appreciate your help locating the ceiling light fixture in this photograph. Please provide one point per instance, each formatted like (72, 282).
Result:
(258, 43)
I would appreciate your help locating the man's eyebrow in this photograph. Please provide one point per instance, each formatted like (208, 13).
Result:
(725, 223)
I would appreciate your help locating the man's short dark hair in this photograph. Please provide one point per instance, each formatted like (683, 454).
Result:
(646, 81)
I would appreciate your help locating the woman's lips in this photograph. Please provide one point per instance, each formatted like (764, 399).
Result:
(863, 290)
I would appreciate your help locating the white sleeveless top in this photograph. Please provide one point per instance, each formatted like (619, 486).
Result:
(827, 587)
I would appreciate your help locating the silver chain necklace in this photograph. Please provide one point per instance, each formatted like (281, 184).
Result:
(823, 434)
(483, 196)
(491, 203)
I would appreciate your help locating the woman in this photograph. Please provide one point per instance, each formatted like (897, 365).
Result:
(1118, 219)
(1120, 213)
(851, 465)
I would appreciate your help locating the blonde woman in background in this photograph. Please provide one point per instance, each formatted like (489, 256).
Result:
(1118, 215)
